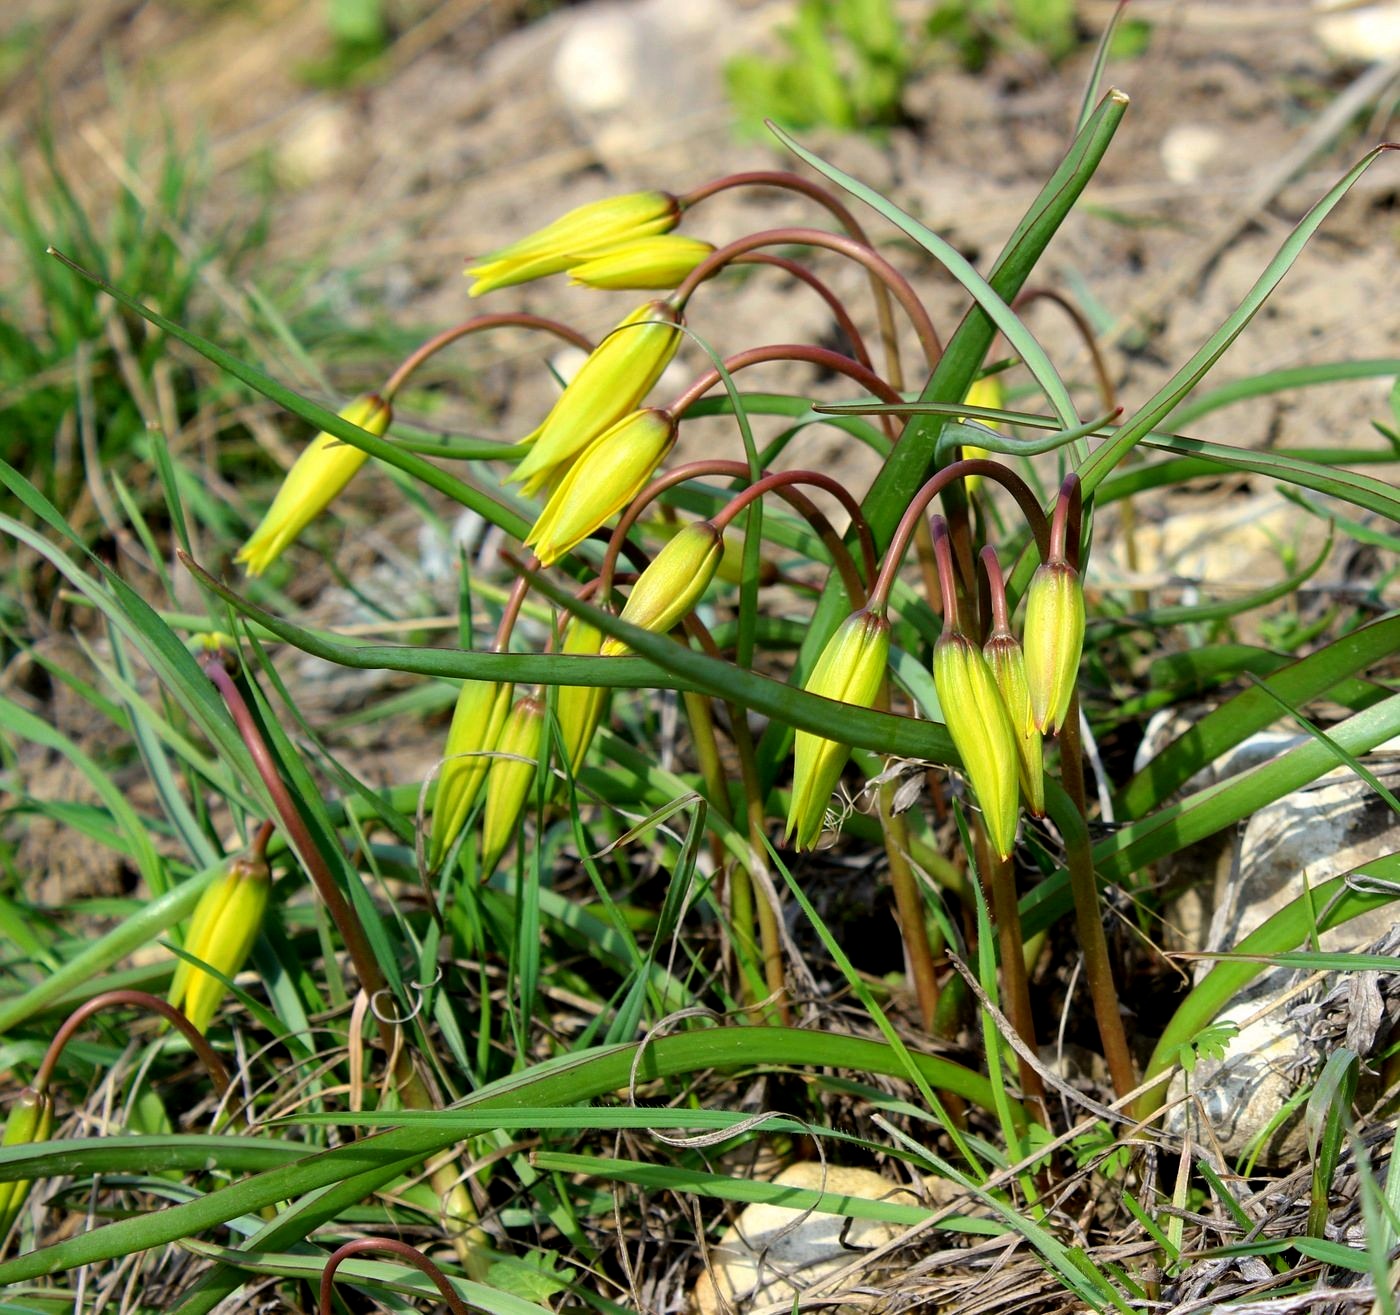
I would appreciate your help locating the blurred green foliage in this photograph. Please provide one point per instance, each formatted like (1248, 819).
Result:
(846, 67)
(847, 62)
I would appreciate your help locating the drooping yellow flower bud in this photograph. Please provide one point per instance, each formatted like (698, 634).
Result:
(607, 475)
(644, 262)
(509, 780)
(30, 1122)
(980, 725)
(608, 386)
(678, 575)
(477, 720)
(316, 478)
(851, 668)
(584, 232)
(1008, 663)
(225, 924)
(1054, 634)
(579, 708)
(731, 563)
(987, 392)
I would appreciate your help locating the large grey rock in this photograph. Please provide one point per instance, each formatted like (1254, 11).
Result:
(1295, 844)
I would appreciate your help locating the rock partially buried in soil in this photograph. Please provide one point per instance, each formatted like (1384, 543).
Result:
(1330, 827)
(772, 1254)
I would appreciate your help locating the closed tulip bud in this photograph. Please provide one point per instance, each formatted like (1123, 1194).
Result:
(850, 669)
(509, 780)
(1008, 664)
(980, 725)
(477, 721)
(225, 924)
(674, 582)
(608, 386)
(731, 563)
(30, 1122)
(987, 392)
(644, 262)
(583, 233)
(579, 708)
(313, 482)
(1054, 636)
(608, 474)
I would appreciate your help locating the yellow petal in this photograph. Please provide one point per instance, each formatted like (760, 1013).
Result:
(850, 669)
(509, 780)
(980, 725)
(673, 583)
(314, 481)
(645, 262)
(608, 386)
(584, 231)
(476, 726)
(607, 475)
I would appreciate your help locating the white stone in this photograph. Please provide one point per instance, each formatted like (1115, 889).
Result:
(1188, 149)
(772, 1254)
(1368, 32)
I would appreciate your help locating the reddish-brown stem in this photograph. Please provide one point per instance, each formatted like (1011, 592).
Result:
(898, 285)
(1007, 913)
(740, 470)
(514, 600)
(1084, 886)
(781, 482)
(947, 585)
(833, 302)
(208, 1056)
(1065, 524)
(822, 357)
(516, 319)
(347, 923)
(993, 470)
(908, 901)
(258, 852)
(815, 191)
(1086, 331)
(392, 1246)
(996, 589)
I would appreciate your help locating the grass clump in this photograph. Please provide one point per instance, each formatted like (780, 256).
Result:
(467, 1020)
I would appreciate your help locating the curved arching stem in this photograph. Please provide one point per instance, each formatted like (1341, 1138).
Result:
(508, 319)
(1107, 391)
(802, 505)
(823, 357)
(834, 303)
(898, 285)
(208, 1056)
(993, 470)
(792, 182)
(392, 1246)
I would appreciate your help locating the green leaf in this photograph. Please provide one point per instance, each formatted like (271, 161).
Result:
(1170, 395)
(908, 466)
(318, 416)
(1252, 710)
(321, 1184)
(1370, 886)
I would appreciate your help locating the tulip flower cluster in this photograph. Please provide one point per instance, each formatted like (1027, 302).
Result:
(594, 457)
